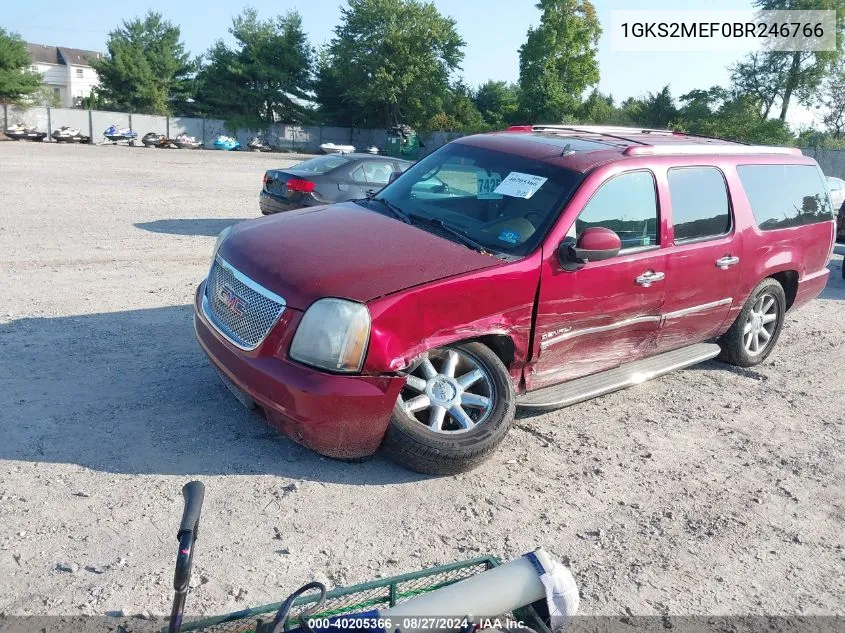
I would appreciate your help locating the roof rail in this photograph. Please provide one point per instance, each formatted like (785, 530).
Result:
(608, 130)
(674, 150)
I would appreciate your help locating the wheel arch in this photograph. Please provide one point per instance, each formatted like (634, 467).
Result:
(788, 279)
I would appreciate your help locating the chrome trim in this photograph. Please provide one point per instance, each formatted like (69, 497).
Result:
(599, 328)
(249, 282)
(642, 319)
(699, 308)
(209, 317)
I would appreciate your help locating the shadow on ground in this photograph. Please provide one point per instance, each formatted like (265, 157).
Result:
(187, 226)
(131, 392)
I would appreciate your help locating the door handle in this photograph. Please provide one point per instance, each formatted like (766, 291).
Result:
(727, 261)
(649, 277)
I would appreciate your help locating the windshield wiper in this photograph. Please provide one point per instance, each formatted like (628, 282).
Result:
(465, 239)
(396, 211)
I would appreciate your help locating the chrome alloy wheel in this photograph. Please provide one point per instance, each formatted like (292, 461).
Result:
(448, 391)
(760, 324)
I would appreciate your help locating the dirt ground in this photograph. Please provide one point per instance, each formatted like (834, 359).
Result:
(713, 490)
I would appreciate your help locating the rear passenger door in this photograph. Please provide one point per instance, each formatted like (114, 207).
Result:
(703, 259)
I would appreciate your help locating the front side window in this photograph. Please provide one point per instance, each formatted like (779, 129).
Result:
(700, 207)
(373, 172)
(504, 202)
(783, 196)
(627, 205)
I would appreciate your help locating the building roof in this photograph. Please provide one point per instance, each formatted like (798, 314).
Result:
(43, 54)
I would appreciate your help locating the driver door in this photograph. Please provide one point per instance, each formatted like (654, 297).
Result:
(608, 312)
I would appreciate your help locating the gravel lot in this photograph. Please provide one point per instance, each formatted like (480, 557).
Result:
(714, 490)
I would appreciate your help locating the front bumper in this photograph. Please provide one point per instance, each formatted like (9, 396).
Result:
(270, 204)
(343, 417)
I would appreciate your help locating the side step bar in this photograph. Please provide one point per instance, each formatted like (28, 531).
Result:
(627, 375)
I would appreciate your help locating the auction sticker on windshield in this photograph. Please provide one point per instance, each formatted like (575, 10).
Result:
(518, 185)
(486, 186)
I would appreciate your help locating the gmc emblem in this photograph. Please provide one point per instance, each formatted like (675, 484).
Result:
(232, 300)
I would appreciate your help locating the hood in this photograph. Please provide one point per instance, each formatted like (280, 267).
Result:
(342, 250)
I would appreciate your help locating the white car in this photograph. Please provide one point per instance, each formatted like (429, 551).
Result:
(837, 191)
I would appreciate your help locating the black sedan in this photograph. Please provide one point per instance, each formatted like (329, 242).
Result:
(327, 179)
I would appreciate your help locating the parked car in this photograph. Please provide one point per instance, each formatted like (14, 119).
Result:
(837, 196)
(537, 267)
(325, 180)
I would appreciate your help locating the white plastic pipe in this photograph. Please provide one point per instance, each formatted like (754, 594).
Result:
(486, 595)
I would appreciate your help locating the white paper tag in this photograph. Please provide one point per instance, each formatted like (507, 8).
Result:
(518, 185)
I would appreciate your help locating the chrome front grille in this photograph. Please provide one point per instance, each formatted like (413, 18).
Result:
(242, 310)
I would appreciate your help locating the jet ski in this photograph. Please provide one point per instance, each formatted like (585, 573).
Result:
(152, 139)
(331, 148)
(257, 145)
(67, 134)
(183, 141)
(227, 143)
(120, 135)
(20, 132)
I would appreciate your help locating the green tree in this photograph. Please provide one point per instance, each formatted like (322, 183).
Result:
(558, 60)
(834, 100)
(389, 62)
(731, 115)
(772, 77)
(598, 109)
(498, 102)
(146, 68)
(17, 81)
(266, 78)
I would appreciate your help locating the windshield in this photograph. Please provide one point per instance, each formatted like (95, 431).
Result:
(321, 164)
(504, 202)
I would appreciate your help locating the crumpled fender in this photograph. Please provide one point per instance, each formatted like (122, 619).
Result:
(495, 301)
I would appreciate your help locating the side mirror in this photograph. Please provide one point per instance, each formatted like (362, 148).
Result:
(393, 176)
(595, 244)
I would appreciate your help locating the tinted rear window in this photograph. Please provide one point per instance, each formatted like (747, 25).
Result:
(784, 196)
(321, 164)
(700, 206)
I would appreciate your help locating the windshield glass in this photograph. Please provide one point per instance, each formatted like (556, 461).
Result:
(321, 164)
(504, 202)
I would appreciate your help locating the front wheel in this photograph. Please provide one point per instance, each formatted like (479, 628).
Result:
(753, 335)
(455, 409)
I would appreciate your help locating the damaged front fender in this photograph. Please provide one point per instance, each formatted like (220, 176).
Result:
(493, 305)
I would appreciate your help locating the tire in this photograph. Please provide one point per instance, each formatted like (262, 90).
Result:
(452, 449)
(735, 342)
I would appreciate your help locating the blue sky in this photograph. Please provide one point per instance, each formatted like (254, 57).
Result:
(493, 30)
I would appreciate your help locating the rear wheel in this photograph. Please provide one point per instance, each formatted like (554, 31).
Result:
(455, 409)
(753, 335)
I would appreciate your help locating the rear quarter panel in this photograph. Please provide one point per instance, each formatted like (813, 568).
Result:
(804, 249)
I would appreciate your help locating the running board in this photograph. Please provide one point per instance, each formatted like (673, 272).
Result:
(627, 375)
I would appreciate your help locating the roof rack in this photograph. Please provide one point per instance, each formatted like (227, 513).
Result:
(670, 150)
(621, 133)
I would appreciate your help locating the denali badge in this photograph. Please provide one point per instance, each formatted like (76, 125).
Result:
(235, 303)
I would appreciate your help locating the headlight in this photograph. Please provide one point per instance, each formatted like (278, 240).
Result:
(220, 239)
(333, 335)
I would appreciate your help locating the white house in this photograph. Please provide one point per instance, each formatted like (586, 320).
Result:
(66, 70)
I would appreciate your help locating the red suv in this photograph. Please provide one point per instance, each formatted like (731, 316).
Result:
(536, 267)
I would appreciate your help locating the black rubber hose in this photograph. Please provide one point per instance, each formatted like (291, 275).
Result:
(284, 611)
